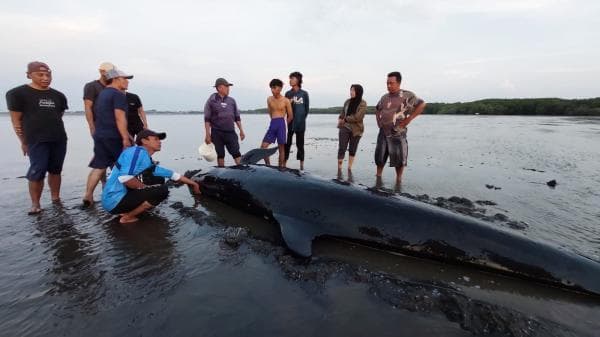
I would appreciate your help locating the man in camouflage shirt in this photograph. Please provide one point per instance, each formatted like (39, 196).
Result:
(394, 112)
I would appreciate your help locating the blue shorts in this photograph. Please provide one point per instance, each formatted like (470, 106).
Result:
(106, 152)
(45, 157)
(276, 131)
(223, 139)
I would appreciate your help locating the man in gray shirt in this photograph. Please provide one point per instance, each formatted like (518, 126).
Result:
(221, 114)
(393, 113)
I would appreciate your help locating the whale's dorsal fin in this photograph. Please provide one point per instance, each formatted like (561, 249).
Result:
(256, 155)
(297, 234)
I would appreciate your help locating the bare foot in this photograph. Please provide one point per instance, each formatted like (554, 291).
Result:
(34, 210)
(126, 219)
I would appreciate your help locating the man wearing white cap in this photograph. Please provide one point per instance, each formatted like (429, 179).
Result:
(110, 129)
(91, 91)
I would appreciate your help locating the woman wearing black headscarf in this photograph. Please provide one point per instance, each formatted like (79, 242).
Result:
(350, 123)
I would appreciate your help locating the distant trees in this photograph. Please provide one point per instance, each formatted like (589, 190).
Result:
(525, 106)
(514, 106)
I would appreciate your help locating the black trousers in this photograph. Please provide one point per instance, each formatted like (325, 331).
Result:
(135, 197)
(299, 144)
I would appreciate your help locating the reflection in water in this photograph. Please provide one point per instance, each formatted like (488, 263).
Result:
(75, 269)
(144, 253)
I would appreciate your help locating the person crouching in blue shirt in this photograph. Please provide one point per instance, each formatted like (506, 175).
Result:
(131, 189)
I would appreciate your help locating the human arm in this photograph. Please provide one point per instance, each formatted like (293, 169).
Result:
(289, 111)
(378, 114)
(164, 172)
(89, 115)
(238, 121)
(142, 115)
(16, 106)
(306, 103)
(194, 185)
(16, 118)
(207, 115)
(359, 115)
(121, 119)
(239, 125)
(207, 138)
(418, 110)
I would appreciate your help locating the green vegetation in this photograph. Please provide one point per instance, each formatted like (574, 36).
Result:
(513, 106)
(523, 107)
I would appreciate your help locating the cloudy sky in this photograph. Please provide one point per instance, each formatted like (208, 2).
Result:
(447, 51)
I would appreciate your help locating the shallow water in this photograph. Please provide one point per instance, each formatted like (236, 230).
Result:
(73, 272)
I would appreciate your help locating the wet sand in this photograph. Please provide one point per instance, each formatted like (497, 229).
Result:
(208, 269)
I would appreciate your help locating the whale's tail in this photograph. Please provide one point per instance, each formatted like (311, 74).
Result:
(256, 155)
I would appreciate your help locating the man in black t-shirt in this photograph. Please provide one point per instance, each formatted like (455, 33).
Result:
(136, 116)
(36, 112)
(91, 90)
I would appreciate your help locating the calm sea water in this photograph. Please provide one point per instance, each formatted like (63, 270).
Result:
(70, 272)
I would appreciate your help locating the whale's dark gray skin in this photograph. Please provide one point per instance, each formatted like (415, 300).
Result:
(307, 207)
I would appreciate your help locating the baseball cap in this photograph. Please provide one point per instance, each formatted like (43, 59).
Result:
(114, 73)
(222, 81)
(106, 66)
(37, 66)
(147, 133)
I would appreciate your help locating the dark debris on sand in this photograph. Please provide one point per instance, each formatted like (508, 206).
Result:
(477, 317)
(427, 297)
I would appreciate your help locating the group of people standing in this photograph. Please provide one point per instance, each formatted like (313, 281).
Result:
(288, 118)
(116, 121)
(124, 143)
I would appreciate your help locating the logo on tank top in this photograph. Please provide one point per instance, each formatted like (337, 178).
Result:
(46, 103)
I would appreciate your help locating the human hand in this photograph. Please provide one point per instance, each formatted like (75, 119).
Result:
(196, 188)
(403, 124)
(242, 135)
(207, 139)
(25, 149)
(126, 143)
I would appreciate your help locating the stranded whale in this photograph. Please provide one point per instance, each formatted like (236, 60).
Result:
(306, 207)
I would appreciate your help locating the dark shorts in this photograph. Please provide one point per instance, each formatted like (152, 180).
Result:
(223, 139)
(347, 141)
(395, 146)
(45, 157)
(135, 197)
(276, 131)
(106, 152)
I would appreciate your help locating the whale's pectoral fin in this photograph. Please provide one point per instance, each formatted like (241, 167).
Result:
(297, 234)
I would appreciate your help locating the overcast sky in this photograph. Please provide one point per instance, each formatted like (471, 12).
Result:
(447, 51)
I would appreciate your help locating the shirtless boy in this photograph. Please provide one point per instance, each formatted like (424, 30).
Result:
(280, 110)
